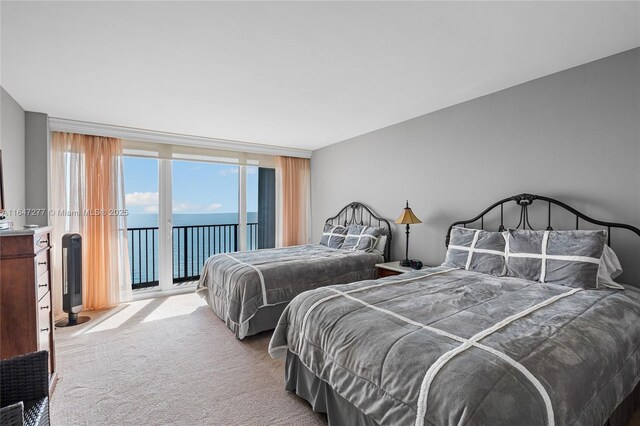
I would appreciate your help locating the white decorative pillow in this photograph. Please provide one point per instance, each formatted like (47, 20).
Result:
(361, 238)
(333, 235)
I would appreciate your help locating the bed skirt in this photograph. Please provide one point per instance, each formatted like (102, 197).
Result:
(323, 399)
(339, 411)
(265, 318)
(625, 410)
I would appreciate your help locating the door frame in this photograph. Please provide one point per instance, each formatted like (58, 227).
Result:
(165, 224)
(165, 215)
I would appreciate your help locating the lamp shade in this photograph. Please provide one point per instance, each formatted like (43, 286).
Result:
(407, 217)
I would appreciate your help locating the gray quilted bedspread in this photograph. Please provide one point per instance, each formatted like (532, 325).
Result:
(452, 347)
(236, 285)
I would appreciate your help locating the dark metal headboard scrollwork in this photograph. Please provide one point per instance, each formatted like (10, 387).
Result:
(524, 201)
(356, 213)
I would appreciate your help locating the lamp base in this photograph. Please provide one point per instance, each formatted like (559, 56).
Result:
(405, 263)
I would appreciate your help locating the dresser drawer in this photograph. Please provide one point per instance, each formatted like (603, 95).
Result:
(42, 263)
(44, 339)
(41, 241)
(43, 285)
(44, 322)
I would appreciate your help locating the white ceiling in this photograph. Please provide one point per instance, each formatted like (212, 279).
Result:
(304, 74)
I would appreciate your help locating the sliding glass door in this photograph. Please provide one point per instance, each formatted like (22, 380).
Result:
(205, 215)
(183, 211)
(141, 200)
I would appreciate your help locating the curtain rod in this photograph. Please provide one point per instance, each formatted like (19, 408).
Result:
(107, 130)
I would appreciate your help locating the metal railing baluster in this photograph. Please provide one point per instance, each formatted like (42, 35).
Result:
(192, 246)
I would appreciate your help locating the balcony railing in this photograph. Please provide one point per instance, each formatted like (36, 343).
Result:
(192, 245)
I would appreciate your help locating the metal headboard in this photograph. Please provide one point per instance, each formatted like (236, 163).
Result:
(356, 213)
(524, 201)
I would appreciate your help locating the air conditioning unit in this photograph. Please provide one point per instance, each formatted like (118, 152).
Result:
(72, 280)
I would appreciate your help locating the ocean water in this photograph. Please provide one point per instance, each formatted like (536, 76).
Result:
(192, 246)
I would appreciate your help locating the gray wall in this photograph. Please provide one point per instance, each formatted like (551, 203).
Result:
(573, 135)
(12, 143)
(37, 155)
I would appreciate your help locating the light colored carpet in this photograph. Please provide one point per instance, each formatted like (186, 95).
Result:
(169, 361)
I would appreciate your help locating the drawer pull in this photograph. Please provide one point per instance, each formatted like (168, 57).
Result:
(44, 242)
(43, 285)
(42, 263)
(44, 307)
(44, 329)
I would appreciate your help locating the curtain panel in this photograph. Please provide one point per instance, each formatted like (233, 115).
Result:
(294, 175)
(87, 197)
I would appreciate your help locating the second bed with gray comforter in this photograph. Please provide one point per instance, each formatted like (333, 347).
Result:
(249, 290)
(448, 346)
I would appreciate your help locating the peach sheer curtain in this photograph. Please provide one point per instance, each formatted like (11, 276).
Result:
(87, 197)
(294, 181)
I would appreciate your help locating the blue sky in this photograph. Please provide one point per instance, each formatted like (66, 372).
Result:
(198, 187)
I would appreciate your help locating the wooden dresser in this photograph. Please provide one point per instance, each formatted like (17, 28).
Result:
(26, 302)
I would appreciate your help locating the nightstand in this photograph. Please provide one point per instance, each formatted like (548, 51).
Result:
(392, 268)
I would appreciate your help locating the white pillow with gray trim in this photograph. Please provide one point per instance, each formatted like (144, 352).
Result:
(333, 235)
(361, 238)
(569, 258)
(476, 250)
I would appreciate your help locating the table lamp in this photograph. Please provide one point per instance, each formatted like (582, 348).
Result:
(407, 218)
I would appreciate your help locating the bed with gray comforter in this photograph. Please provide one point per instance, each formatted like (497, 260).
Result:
(249, 290)
(448, 346)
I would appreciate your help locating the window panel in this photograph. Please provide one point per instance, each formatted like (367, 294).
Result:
(141, 201)
(200, 207)
(205, 214)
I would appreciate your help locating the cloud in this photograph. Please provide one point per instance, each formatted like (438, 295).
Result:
(141, 199)
(195, 208)
(185, 207)
(213, 207)
(228, 171)
(149, 202)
